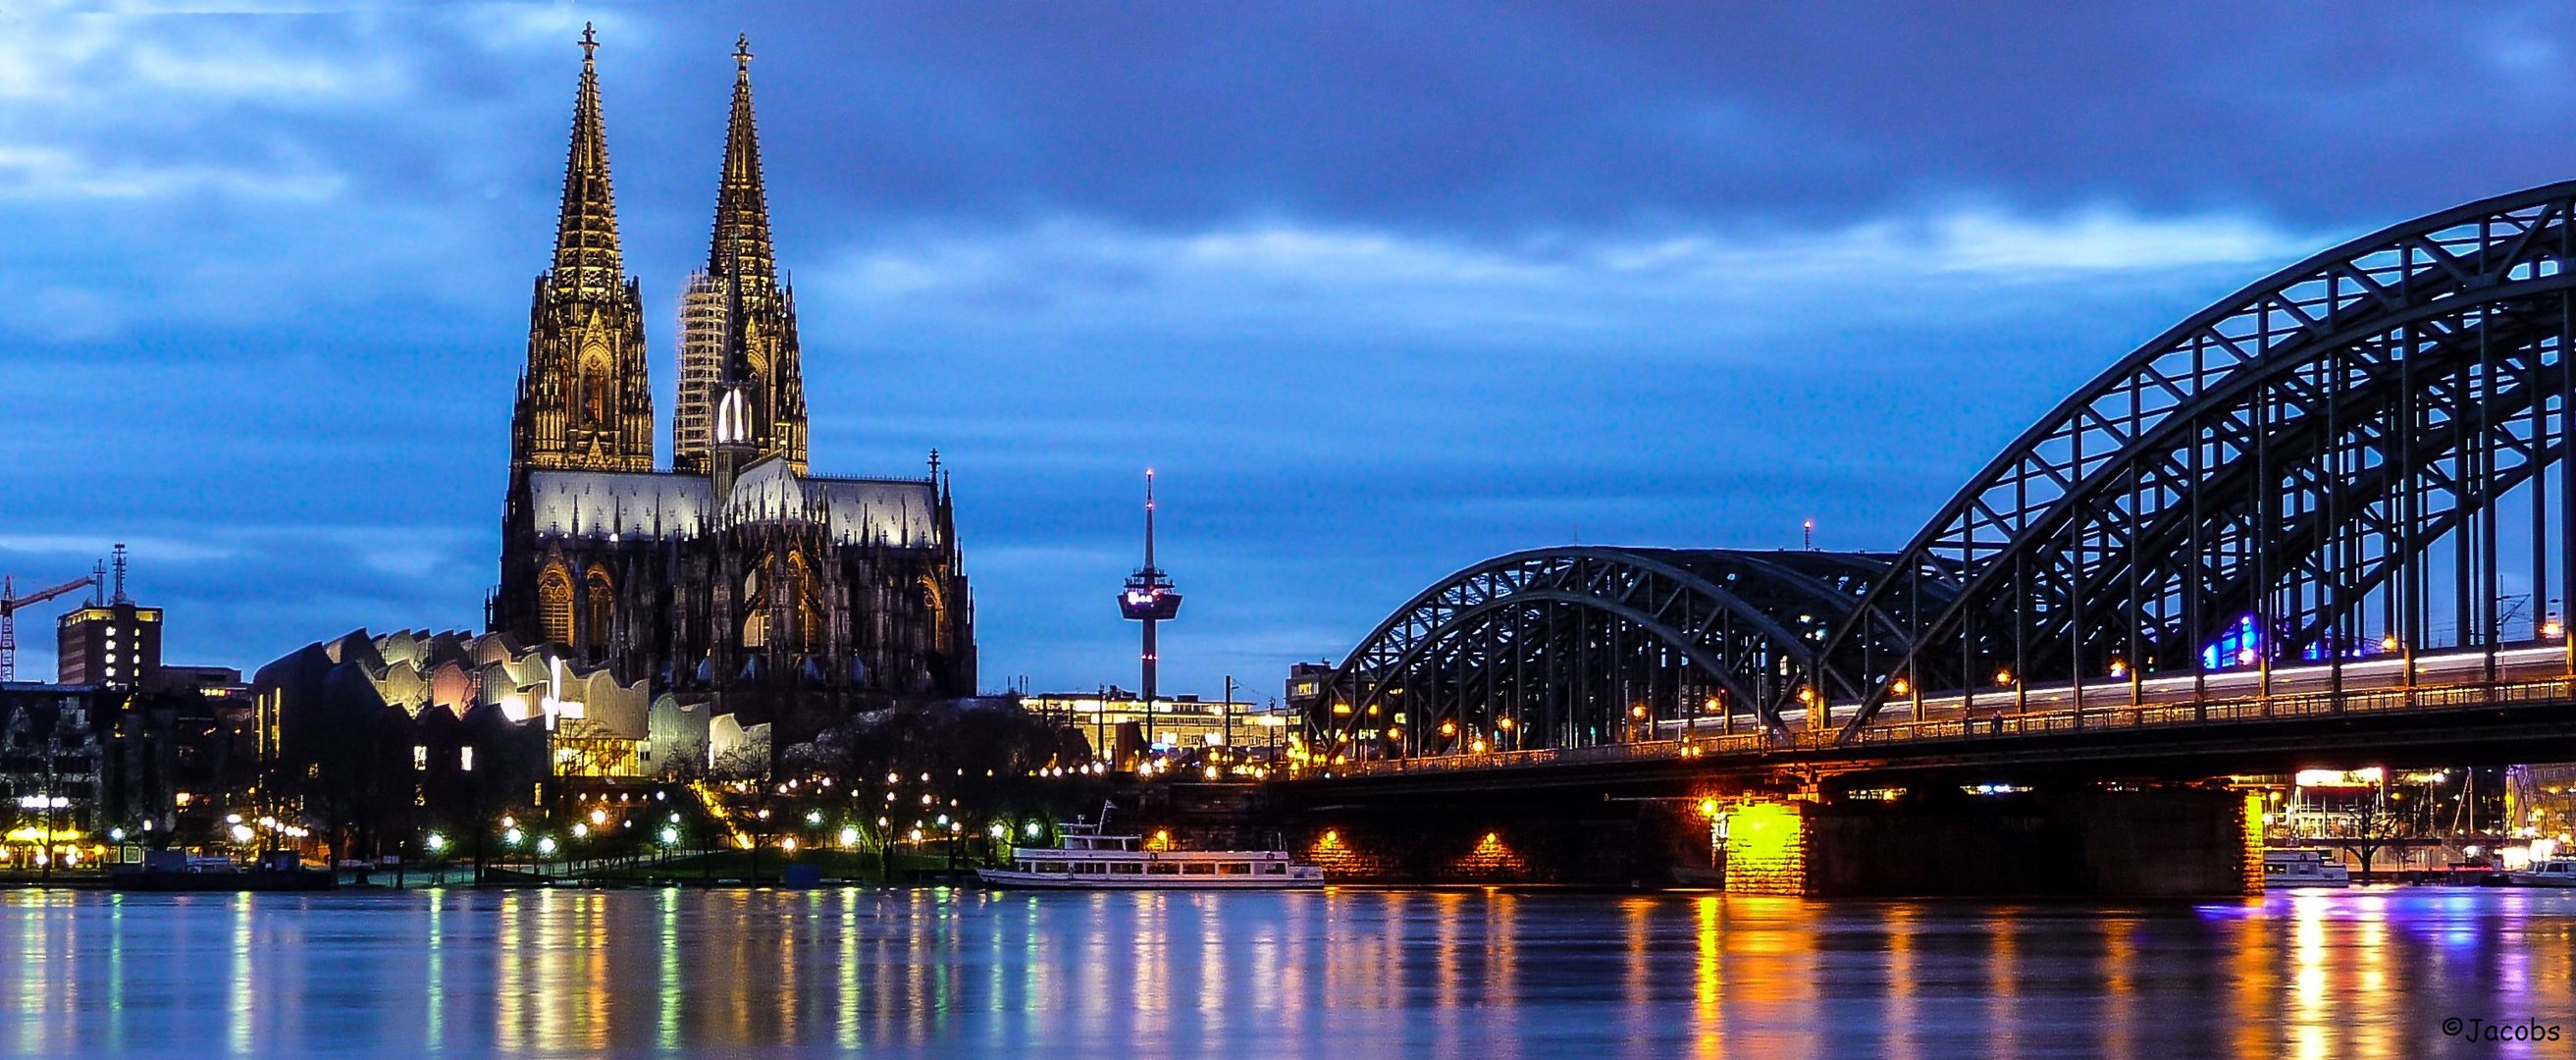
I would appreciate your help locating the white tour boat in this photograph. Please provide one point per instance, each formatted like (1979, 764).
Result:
(2553, 872)
(2302, 868)
(1087, 858)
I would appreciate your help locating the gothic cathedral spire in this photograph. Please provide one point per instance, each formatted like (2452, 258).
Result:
(585, 400)
(759, 318)
(742, 202)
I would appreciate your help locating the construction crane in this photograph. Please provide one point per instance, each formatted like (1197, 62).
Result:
(10, 602)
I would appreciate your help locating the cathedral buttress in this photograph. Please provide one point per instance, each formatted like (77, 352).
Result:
(585, 401)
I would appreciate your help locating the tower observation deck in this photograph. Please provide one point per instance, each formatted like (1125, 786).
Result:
(1149, 598)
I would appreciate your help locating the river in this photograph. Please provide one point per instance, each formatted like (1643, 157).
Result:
(1486, 974)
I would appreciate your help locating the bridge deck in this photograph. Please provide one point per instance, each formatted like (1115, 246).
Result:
(1940, 727)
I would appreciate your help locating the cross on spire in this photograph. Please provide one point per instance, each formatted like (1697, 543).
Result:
(589, 42)
(742, 52)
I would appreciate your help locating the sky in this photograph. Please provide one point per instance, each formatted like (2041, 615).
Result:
(1380, 289)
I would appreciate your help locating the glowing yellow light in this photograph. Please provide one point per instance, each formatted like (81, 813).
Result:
(598, 817)
(2119, 668)
(2388, 642)
(1505, 724)
(1708, 807)
(2004, 678)
(788, 844)
(1448, 728)
(1762, 833)
(1807, 695)
(1638, 711)
(1477, 747)
(1900, 688)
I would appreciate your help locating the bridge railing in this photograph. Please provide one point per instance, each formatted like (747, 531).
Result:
(2001, 725)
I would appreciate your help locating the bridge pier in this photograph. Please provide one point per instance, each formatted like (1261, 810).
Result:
(2075, 841)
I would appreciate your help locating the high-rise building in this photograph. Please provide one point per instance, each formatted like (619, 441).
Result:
(737, 577)
(110, 640)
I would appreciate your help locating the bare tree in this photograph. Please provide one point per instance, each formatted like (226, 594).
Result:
(2376, 825)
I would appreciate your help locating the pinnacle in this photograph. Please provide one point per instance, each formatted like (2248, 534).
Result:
(741, 238)
(587, 258)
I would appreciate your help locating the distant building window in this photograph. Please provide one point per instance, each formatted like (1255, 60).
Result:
(419, 757)
(465, 759)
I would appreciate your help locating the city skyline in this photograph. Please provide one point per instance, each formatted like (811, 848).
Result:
(1392, 340)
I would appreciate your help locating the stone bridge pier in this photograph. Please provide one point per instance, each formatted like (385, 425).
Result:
(2079, 839)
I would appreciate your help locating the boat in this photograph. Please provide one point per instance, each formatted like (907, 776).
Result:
(1087, 857)
(2302, 868)
(173, 870)
(2553, 872)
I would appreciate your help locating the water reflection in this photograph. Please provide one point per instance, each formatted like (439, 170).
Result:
(1491, 974)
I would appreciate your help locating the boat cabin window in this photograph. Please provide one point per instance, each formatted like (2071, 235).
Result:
(1199, 868)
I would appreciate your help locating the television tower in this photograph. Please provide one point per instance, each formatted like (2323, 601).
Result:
(1149, 599)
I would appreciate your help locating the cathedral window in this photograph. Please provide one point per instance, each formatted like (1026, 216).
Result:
(554, 605)
(603, 603)
(594, 385)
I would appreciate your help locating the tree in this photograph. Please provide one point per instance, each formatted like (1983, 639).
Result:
(2376, 824)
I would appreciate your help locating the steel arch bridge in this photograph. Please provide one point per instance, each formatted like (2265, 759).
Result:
(2358, 461)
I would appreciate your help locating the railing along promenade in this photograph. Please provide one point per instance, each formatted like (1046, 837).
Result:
(2003, 724)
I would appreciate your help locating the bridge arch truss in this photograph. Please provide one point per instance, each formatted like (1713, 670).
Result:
(1579, 646)
(2361, 456)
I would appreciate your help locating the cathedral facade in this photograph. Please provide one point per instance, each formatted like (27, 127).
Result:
(735, 576)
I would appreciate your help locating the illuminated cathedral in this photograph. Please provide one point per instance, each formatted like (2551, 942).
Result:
(734, 577)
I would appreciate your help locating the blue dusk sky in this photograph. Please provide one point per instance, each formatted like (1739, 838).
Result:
(1381, 289)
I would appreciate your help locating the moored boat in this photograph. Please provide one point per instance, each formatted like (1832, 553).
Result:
(2302, 868)
(1087, 857)
(2554, 872)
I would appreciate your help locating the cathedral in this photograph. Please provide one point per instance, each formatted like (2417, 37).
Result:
(735, 577)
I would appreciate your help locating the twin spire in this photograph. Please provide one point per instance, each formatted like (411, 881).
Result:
(586, 254)
(587, 290)
(742, 205)
(586, 251)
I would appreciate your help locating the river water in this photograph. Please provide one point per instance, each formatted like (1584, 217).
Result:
(1485, 974)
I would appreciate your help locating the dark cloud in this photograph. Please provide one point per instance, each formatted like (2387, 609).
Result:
(1383, 289)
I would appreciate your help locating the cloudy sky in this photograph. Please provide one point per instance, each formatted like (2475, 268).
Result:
(1381, 288)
